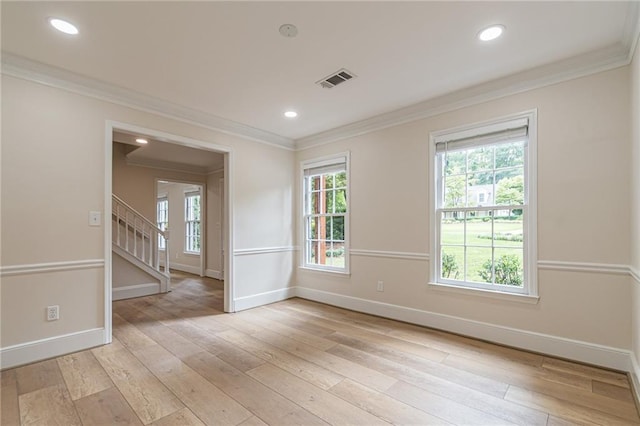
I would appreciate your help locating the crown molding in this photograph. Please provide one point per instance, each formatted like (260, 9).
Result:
(568, 69)
(26, 69)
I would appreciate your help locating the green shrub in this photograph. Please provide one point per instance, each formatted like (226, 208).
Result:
(450, 268)
(508, 270)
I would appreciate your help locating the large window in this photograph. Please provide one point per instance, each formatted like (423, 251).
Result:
(484, 223)
(162, 219)
(326, 214)
(192, 222)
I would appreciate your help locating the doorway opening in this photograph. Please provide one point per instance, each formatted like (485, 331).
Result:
(183, 187)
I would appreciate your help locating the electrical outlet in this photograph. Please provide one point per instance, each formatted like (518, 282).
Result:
(380, 286)
(53, 313)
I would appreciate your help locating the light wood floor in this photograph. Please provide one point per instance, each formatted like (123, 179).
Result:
(176, 359)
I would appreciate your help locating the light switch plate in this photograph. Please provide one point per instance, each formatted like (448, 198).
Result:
(95, 218)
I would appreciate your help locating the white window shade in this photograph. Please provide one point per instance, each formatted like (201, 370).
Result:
(508, 131)
(324, 167)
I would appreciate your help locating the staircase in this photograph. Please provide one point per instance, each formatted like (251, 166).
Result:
(135, 238)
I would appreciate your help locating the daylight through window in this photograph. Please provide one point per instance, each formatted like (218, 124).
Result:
(192, 222)
(326, 214)
(162, 220)
(483, 212)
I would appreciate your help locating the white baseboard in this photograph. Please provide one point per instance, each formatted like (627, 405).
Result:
(25, 353)
(137, 290)
(634, 376)
(195, 270)
(590, 353)
(214, 274)
(255, 300)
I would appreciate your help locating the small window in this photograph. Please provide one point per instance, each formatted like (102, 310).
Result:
(162, 220)
(192, 222)
(326, 217)
(484, 212)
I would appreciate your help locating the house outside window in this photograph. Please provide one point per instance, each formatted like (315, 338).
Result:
(162, 220)
(192, 222)
(326, 214)
(484, 197)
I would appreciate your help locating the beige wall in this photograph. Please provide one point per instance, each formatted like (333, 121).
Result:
(635, 199)
(54, 139)
(583, 212)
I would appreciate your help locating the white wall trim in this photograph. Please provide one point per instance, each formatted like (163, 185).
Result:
(26, 69)
(572, 68)
(590, 353)
(260, 299)
(212, 273)
(603, 268)
(137, 290)
(195, 270)
(25, 353)
(34, 268)
(390, 254)
(167, 166)
(634, 373)
(263, 250)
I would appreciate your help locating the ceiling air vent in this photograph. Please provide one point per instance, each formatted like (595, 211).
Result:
(336, 78)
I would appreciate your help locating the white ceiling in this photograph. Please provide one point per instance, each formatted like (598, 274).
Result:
(162, 155)
(228, 60)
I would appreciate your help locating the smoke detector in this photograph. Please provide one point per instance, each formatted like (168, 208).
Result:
(336, 78)
(288, 30)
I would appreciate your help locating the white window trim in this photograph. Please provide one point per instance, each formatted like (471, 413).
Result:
(189, 192)
(319, 162)
(529, 293)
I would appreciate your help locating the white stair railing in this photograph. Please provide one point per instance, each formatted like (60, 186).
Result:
(138, 236)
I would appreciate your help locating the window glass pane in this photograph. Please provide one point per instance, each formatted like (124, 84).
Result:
(510, 155)
(508, 265)
(341, 180)
(341, 201)
(312, 227)
(510, 187)
(508, 233)
(479, 264)
(480, 159)
(316, 205)
(455, 163)
(337, 233)
(452, 263)
(478, 228)
(455, 191)
(337, 255)
(314, 183)
(329, 200)
(312, 253)
(478, 183)
(452, 228)
(329, 181)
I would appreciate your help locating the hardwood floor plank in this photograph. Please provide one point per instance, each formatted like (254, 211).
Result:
(148, 397)
(306, 370)
(563, 409)
(182, 417)
(613, 391)
(128, 334)
(328, 407)
(607, 376)
(383, 406)
(441, 407)
(38, 376)
(278, 312)
(469, 379)
(253, 421)
(83, 374)
(105, 408)
(51, 406)
(478, 400)
(364, 375)
(9, 409)
(205, 400)
(264, 402)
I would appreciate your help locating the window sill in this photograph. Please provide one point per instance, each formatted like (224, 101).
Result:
(191, 253)
(330, 271)
(480, 292)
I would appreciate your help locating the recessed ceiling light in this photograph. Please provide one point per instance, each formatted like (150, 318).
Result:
(291, 114)
(142, 141)
(491, 33)
(63, 26)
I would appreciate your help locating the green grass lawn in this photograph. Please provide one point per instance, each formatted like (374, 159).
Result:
(454, 234)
